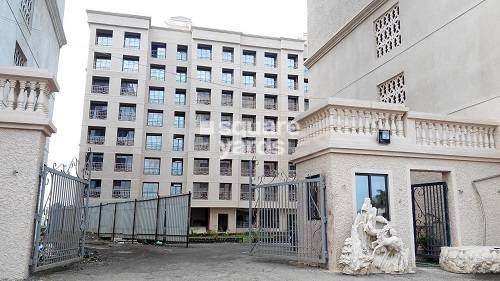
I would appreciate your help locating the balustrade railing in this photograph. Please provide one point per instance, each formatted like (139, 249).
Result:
(99, 89)
(201, 146)
(123, 167)
(126, 141)
(200, 171)
(224, 195)
(225, 171)
(96, 139)
(98, 114)
(200, 195)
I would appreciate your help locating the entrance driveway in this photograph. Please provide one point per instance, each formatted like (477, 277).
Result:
(209, 262)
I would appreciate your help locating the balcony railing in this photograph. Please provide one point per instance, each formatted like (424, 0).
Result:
(202, 123)
(123, 167)
(248, 104)
(205, 101)
(291, 150)
(270, 173)
(98, 114)
(270, 150)
(246, 172)
(201, 146)
(245, 195)
(128, 91)
(271, 105)
(121, 193)
(249, 148)
(126, 141)
(226, 171)
(224, 195)
(200, 171)
(96, 139)
(226, 102)
(99, 89)
(129, 116)
(292, 173)
(200, 195)
(94, 192)
(96, 166)
(344, 120)
(293, 107)
(248, 126)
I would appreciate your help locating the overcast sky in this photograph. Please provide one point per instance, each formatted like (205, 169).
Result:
(286, 18)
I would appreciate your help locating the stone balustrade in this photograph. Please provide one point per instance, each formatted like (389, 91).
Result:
(26, 90)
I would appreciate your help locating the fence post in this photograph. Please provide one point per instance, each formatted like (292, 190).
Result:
(114, 221)
(188, 219)
(164, 221)
(99, 222)
(133, 221)
(322, 203)
(157, 215)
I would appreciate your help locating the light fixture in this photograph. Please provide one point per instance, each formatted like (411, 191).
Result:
(384, 136)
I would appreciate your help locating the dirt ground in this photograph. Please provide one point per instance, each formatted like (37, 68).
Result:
(209, 262)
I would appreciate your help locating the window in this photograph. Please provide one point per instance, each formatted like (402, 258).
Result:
(125, 137)
(270, 80)
(203, 96)
(121, 189)
(306, 104)
(293, 82)
(201, 166)
(271, 102)
(104, 38)
(248, 100)
(227, 54)
(270, 123)
(291, 125)
(150, 190)
(388, 31)
(200, 190)
(224, 191)
(204, 52)
(245, 192)
(123, 162)
(179, 118)
(248, 79)
(306, 86)
(292, 146)
(157, 72)
(153, 141)
(226, 121)
(202, 119)
(19, 57)
(178, 143)
(313, 202)
(151, 166)
(177, 167)
(97, 160)
(226, 98)
(128, 87)
(226, 143)
(181, 75)
(202, 143)
(292, 170)
(204, 73)
(242, 218)
(245, 168)
(98, 110)
(270, 59)
(270, 146)
(227, 76)
(373, 186)
(156, 95)
(132, 40)
(293, 103)
(248, 122)
(27, 11)
(292, 61)
(130, 64)
(175, 188)
(226, 167)
(182, 52)
(248, 57)
(393, 90)
(127, 112)
(102, 61)
(100, 85)
(270, 168)
(158, 50)
(95, 188)
(155, 118)
(180, 97)
(96, 135)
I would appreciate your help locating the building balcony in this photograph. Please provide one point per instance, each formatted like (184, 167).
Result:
(248, 104)
(125, 141)
(271, 106)
(123, 167)
(96, 166)
(246, 173)
(202, 146)
(245, 196)
(226, 171)
(128, 91)
(127, 116)
(121, 193)
(96, 139)
(224, 195)
(293, 107)
(271, 173)
(101, 114)
(291, 150)
(99, 89)
(200, 171)
(355, 125)
(226, 102)
(200, 195)
(94, 192)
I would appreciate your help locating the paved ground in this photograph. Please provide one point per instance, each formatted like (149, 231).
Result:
(210, 262)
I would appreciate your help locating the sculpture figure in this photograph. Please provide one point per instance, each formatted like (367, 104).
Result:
(373, 249)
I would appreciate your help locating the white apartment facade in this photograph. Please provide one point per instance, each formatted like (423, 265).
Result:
(164, 104)
(32, 35)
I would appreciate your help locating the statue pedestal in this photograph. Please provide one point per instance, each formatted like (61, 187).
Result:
(470, 259)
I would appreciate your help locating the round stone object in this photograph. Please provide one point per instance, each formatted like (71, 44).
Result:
(470, 259)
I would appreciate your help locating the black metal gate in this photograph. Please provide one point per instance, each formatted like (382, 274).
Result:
(431, 225)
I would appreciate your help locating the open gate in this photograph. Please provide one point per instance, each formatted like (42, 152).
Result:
(289, 220)
(431, 225)
(60, 219)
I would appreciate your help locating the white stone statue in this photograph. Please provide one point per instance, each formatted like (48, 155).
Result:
(374, 246)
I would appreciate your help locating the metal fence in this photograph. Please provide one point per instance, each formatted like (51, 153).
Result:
(289, 220)
(160, 219)
(59, 221)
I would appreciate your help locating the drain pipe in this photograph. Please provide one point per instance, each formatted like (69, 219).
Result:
(481, 206)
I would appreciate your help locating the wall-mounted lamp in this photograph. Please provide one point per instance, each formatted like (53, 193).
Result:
(384, 136)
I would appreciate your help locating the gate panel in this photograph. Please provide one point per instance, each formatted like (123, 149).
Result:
(430, 219)
(290, 220)
(59, 228)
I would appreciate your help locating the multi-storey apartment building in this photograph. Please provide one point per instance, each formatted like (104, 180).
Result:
(179, 109)
(32, 35)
